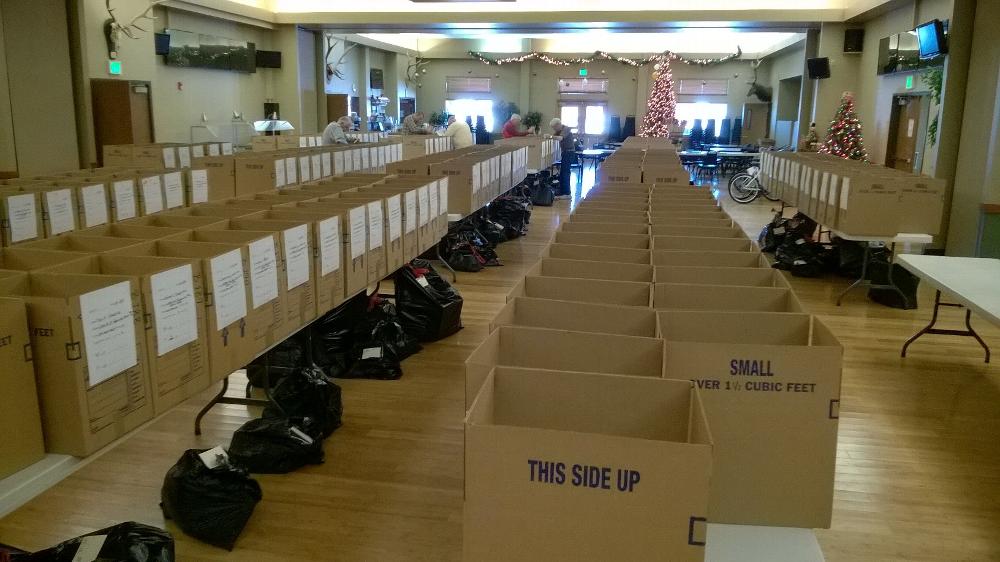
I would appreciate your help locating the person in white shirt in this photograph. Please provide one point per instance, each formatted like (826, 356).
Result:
(460, 133)
(334, 133)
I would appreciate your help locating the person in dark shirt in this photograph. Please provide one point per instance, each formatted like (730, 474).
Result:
(568, 147)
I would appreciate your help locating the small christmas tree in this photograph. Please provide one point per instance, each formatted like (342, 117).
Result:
(661, 107)
(843, 138)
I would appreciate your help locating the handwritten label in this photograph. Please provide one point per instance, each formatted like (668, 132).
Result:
(395, 217)
(329, 245)
(410, 201)
(125, 207)
(305, 173)
(62, 216)
(108, 332)
(198, 151)
(229, 290)
(95, 205)
(173, 190)
(227, 148)
(423, 205)
(263, 272)
(327, 161)
(279, 174)
(152, 194)
(199, 186)
(291, 169)
(297, 255)
(359, 229)
(169, 158)
(376, 225)
(22, 215)
(184, 156)
(443, 196)
(213, 149)
(214, 458)
(174, 312)
(317, 167)
(89, 549)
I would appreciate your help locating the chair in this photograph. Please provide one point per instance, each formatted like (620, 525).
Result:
(709, 164)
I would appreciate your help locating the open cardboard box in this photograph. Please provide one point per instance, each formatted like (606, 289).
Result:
(632, 241)
(577, 466)
(712, 259)
(636, 218)
(579, 269)
(413, 245)
(631, 215)
(20, 258)
(678, 296)
(175, 221)
(79, 244)
(658, 215)
(135, 232)
(354, 238)
(577, 316)
(22, 216)
(693, 230)
(664, 242)
(743, 276)
(21, 443)
(720, 222)
(613, 204)
(379, 212)
(596, 253)
(605, 228)
(623, 293)
(770, 383)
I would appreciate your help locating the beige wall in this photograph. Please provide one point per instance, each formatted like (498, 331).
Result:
(308, 83)
(788, 65)
(350, 67)
(8, 155)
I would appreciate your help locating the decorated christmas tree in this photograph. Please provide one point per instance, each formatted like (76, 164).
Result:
(843, 138)
(661, 107)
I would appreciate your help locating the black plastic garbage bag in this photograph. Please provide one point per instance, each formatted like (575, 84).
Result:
(309, 394)
(492, 231)
(801, 257)
(280, 361)
(428, 307)
(773, 234)
(381, 345)
(801, 226)
(210, 504)
(125, 542)
(514, 213)
(878, 273)
(333, 335)
(850, 256)
(276, 445)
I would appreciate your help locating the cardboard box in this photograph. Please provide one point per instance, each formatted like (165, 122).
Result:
(22, 216)
(863, 202)
(629, 216)
(613, 204)
(173, 311)
(666, 175)
(90, 359)
(676, 296)
(614, 171)
(21, 443)
(702, 243)
(577, 316)
(712, 259)
(720, 222)
(770, 383)
(624, 293)
(221, 172)
(579, 269)
(131, 231)
(585, 439)
(634, 241)
(560, 350)
(596, 253)
(388, 255)
(691, 230)
(354, 236)
(176, 221)
(744, 276)
(921, 205)
(605, 228)
(636, 218)
(76, 244)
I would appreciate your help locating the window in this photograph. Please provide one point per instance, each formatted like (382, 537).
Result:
(471, 108)
(701, 110)
(582, 116)
(699, 86)
(468, 85)
(583, 85)
(594, 120)
(570, 116)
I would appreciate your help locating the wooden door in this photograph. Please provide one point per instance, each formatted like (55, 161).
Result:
(122, 113)
(141, 113)
(756, 118)
(904, 130)
(337, 106)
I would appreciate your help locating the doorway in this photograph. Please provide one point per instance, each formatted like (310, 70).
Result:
(907, 132)
(587, 119)
(756, 121)
(123, 113)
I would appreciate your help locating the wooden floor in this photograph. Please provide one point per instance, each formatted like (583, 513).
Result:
(918, 472)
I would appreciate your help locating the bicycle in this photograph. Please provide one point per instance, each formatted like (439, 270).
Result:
(745, 187)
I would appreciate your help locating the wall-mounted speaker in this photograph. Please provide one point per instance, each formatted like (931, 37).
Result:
(161, 42)
(818, 68)
(854, 40)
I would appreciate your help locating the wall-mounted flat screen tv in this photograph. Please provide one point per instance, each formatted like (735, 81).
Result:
(931, 38)
(197, 50)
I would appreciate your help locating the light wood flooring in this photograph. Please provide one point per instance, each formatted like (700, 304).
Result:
(918, 471)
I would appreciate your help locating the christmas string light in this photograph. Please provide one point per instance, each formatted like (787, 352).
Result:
(843, 137)
(661, 108)
(602, 55)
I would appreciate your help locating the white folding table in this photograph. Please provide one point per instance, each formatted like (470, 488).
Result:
(973, 282)
(863, 281)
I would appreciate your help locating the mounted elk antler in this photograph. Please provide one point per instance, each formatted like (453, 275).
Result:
(333, 68)
(414, 70)
(763, 93)
(113, 29)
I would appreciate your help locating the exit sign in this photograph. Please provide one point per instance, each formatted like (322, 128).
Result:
(583, 72)
(909, 82)
(114, 67)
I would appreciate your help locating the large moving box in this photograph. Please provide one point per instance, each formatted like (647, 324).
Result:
(664, 242)
(596, 253)
(574, 466)
(770, 383)
(713, 259)
(677, 296)
(552, 267)
(633, 241)
(21, 441)
(623, 293)
(605, 228)
(577, 316)
(696, 275)
(22, 216)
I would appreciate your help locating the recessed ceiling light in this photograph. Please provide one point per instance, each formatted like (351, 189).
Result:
(453, 1)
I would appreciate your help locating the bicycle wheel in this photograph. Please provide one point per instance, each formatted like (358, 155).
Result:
(742, 189)
(768, 195)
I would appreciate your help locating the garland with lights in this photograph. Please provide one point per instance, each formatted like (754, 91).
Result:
(661, 107)
(602, 55)
(843, 138)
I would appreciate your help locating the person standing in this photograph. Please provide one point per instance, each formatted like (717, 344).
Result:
(413, 124)
(512, 128)
(568, 147)
(460, 133)
(335, 132)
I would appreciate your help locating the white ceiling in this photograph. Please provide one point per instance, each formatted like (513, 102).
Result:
(305, 6)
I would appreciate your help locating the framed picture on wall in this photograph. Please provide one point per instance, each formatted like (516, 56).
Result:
(375, 79)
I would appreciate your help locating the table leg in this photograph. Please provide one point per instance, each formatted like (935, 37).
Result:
(454, 276)
(864, 274)
(930, 329)
(215, 400)
(892, 284)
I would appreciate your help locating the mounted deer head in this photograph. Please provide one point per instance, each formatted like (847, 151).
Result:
(763, 93)
(113, 29)
(333, 68)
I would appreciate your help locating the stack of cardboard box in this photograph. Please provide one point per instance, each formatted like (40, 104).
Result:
(647, 285)
(542, 151)
(854, 197)
(416, 146)
(168, 156)
(647, 164)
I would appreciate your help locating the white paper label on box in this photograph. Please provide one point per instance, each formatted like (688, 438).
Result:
(833, 189)
(376, 225)
(213, 149)
(327, 162)
(329, 245)
(279, 174)
(174, 308)
(124, 199)
(108, 332)
(410, 200)
(356, 160)
(229, 291)
(198, 151)
(199, 186)
(423, 203)
(359, 230)
(169, 158)
(263, 272)
(303, 142)
(297, 255)
(184, 156)
(62, 217)
(291, 171)
(95, 205)
(23, 217)
(845, 191)
(371, 353)
(152, 194)
(823, 184)
(477, 175)
(383, 155)
(89, 548)
(432, 194)
(398, 149)
(227, 148)
(173, 189)
(366, 159)
(395, 217)
(338, 163)
(214, 457)
(310, 141)
(317, 167)
(305, 173)
(443, 196)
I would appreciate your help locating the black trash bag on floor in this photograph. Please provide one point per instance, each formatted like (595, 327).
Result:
(210, 504)
(850, 255)
(514, 213)
(773, 234)
(280, 361)
(542, 194)
(382, 344)
(276, 445)
(428, 307)
(801, 257)
(465, 249)
(493, 232)
(800, 226)
(125, 542)
(878, 273)
(333, 335)
(309, 395)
